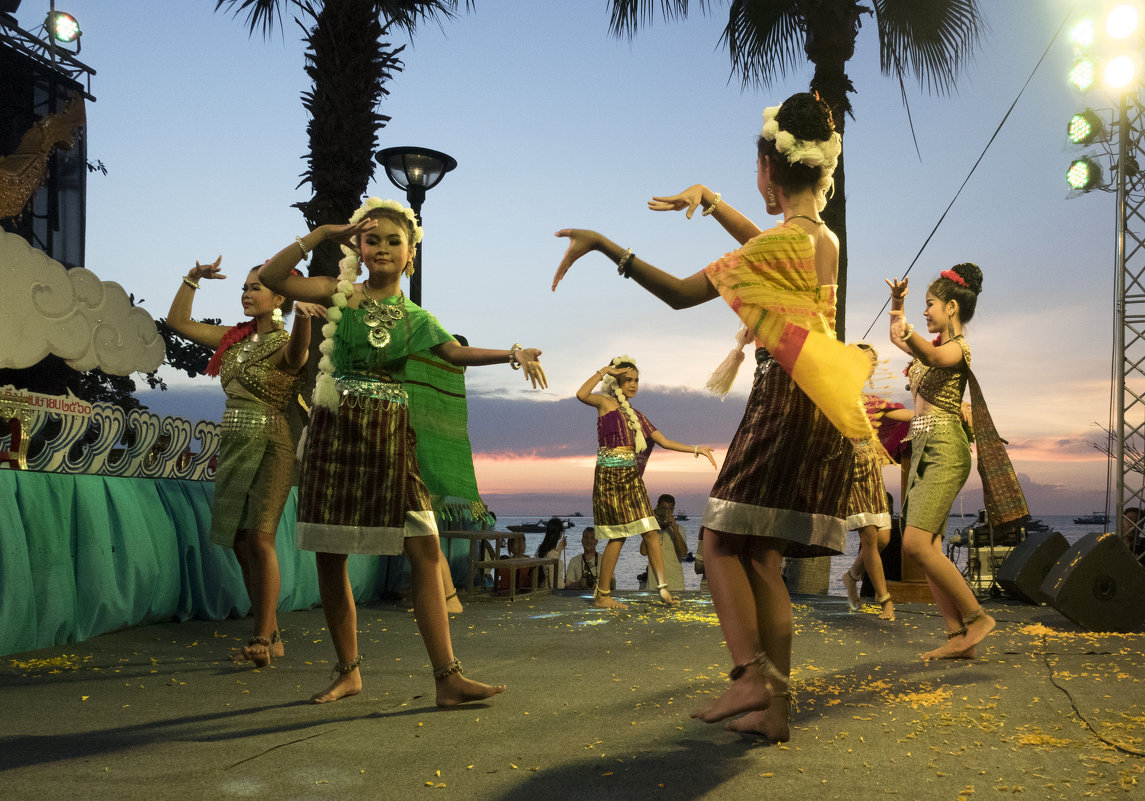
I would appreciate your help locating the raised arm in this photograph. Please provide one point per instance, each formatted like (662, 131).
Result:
(586, 395)
(672, 445)
(276, 273)
(679, 293)
(179, 315)
(297, 350)
(700, 197)
(527, 359)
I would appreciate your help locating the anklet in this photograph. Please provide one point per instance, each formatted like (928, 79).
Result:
(275, 638)
(605, 593)
(263, 641)
(852, 576)
(884, 599)
(448, 669)
(950, 635)
(451, 595)
(971, 618)
(770, 671)
(342, 668)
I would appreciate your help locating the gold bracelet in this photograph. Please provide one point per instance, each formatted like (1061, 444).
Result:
(908, 331)
(190, 283)
(715, 202)
(625, 263)
(513, 361)
(302, 247)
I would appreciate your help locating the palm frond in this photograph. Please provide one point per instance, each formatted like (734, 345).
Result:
(264, 14)
(934, 39)
(629, 15)
(764, 39)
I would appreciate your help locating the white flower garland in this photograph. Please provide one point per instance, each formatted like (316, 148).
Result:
(611, 387)
(325, 388)
(814, 153)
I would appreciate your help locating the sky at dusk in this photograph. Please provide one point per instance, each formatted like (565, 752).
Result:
(556, 124)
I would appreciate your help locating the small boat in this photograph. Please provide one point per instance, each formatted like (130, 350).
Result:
(1095, 519)
(540, 527)
(681, 516)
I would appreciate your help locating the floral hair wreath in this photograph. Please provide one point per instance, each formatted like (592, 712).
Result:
(325, 389)
(814, 153)
(955, 277)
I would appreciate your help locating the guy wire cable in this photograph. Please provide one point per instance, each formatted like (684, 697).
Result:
(975, 167)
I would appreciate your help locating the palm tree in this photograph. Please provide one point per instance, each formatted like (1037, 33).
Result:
(349, 64)
(767, 39)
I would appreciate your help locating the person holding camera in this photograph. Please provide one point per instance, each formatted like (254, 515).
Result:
(673, 546)
(584, 568)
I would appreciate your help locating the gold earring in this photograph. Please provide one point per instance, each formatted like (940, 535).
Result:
(771, 196)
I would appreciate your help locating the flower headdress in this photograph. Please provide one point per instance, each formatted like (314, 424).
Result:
(612, 387)
(325, 390)
(953, 276)
(814, 153)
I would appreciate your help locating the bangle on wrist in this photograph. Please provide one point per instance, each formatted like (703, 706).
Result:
(625, 263)
(907, 332)
(696, 451)
(190, 283)
(715, 202)
(514, 362)
(302, 247)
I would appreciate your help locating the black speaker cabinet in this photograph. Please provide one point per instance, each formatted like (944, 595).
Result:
(1022, 573)
(1098, 585)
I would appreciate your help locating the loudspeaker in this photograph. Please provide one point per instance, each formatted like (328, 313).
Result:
(1098, 585)
(1022, 573)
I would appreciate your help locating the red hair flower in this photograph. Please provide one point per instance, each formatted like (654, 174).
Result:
(953, 276)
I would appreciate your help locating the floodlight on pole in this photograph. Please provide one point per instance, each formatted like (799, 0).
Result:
(1122, 21)
(1081, 74)
(1083, 175)
(1083, 34)
(1121, 72)
(63, 27)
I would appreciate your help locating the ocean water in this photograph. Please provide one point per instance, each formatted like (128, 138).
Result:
(631, 562)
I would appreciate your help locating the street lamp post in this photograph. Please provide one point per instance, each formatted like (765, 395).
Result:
(416, 170)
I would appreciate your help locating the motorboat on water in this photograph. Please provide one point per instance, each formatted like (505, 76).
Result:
(1095, 519)
(540, 527)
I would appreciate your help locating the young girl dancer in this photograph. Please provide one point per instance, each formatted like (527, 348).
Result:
(784, 484)
(940, 449)
(258, 365)
(361, 490)
(867, 510)
(620, 506)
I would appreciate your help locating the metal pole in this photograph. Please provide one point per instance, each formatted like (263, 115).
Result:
(415, 279)
(1119, 279)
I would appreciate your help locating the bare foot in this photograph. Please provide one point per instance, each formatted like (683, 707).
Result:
(343, 686)
(888, 612)
(259, 653)
(977, 630)
(749, 693)
(852, 591)
(455, 689)
(607, 602)
(453, 605)
(770, 724)
(668, 598)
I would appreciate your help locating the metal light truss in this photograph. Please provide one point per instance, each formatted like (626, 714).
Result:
(1128, 181)
(47, 52)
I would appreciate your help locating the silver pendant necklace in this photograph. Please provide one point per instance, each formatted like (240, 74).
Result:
(380, 318)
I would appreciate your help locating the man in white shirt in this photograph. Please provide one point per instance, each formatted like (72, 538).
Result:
(672, 545)
(584, 567)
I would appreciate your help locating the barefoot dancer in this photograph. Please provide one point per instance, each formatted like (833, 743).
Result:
(360, 490)
(784, 484)
(620, 506)
(940, 448)
(258, 365)
(867, 511)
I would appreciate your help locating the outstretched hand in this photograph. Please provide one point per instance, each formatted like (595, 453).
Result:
(706, 451)
(348, 234)
(210, 271)
(898, 288)
(691, 199)
(581, 241)
(530, 360)
(308, 310)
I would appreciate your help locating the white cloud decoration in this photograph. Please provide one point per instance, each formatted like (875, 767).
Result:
(87, 322)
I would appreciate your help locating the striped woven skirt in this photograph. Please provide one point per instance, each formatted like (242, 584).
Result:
(787, 473)
(620, 506)
(256, 467)
(868, 503)
(361, 489)
(939, 467)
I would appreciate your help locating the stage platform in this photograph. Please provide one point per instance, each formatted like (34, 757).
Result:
(597, 709)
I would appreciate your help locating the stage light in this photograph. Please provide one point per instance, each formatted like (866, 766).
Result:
(1081, 75)
(1083, 175)
(62, 26)
(1085, 128)
(1122, 22)
(1120, 72)
(1083, 34)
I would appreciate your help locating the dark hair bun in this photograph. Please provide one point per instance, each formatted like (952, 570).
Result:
(806, 117)
(972, 274)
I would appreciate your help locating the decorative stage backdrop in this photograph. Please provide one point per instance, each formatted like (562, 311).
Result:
(109, 527)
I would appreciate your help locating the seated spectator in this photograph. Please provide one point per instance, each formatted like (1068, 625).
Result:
(585, 567)
(553, 546)
(672, 545)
